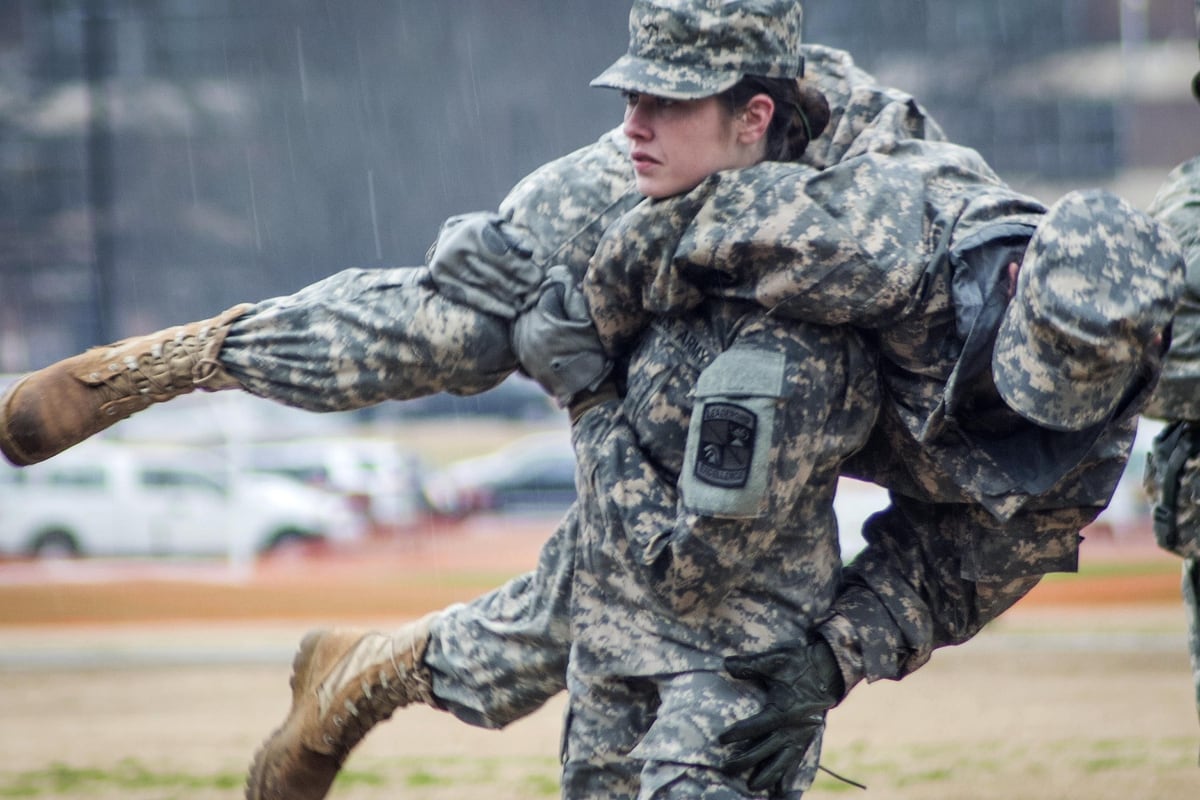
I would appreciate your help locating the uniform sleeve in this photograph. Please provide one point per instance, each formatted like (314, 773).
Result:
(915, 588)
(840, 246)
(361, 337)
(1177, 207)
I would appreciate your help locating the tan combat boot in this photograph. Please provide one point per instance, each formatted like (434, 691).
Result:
(344, 682)
(57, 407)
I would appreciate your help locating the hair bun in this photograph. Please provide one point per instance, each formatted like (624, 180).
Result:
(815, 108)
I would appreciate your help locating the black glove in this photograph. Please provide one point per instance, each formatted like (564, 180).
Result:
(802, 682)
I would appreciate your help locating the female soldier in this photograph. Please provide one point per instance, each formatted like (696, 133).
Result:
(685, 552)
(754, 561)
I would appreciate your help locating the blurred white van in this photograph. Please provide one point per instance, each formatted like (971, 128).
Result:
(109, 499)
(382, 479)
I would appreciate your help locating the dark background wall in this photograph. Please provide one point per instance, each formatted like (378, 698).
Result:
(163, 159)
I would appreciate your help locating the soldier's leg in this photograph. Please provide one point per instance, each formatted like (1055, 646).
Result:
(681, 755)
(361, 337)
(489, 662)
(503, 655)
(606, 717)
(351, 340)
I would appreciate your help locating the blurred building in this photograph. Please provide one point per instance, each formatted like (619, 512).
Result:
(163, 159)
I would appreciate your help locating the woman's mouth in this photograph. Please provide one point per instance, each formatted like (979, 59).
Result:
(642, 162)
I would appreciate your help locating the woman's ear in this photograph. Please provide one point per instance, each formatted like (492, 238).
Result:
(754, 119)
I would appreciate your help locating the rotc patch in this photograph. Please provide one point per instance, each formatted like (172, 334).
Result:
(727, 433)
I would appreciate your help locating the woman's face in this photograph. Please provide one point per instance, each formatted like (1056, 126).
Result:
(675, 144)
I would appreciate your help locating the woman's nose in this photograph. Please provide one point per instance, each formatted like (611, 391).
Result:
(636, 124)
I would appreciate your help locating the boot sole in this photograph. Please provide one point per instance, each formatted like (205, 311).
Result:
(13, 452)
(260, 782)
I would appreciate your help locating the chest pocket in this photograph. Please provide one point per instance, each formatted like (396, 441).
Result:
(726, 460)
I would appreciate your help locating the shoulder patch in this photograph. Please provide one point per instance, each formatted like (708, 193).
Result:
(727, 434)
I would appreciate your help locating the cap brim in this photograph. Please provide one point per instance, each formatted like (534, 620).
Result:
(675, 82)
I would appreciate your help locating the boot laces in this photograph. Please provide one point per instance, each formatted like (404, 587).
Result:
(167, 368)
(377, 699)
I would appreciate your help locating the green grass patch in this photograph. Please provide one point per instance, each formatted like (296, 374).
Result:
(421, 778)
(536, 776)
(541, 785)
(359, 777)
(926, 776)
(128, 775)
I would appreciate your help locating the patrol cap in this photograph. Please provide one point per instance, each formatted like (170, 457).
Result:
(690, 49)
(1099, 282)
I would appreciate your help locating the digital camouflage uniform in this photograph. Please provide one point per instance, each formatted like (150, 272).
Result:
(660, 573)
(662, 596)
(1177, 518)
(911, 241)
(364, 336)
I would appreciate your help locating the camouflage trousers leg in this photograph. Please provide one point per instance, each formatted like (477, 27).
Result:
(655, 737)
(503, 655)
(361, 337)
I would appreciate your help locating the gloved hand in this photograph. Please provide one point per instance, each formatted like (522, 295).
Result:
(482, 261)
(802, 682)
(556, 342)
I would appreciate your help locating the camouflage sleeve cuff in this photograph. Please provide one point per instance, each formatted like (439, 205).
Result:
(867, 640)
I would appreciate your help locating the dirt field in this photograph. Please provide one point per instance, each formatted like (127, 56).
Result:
(152, 681)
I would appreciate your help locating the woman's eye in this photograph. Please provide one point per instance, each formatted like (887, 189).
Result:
(631, 98)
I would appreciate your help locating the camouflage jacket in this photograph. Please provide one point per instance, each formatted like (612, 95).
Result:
(911, 241)
(906, 238)
(706, 492)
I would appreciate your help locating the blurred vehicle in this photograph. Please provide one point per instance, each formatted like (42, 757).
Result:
(380, 477)
(533, 474)
(107, 499)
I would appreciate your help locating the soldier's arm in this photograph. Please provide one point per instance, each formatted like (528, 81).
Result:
(915, 588)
